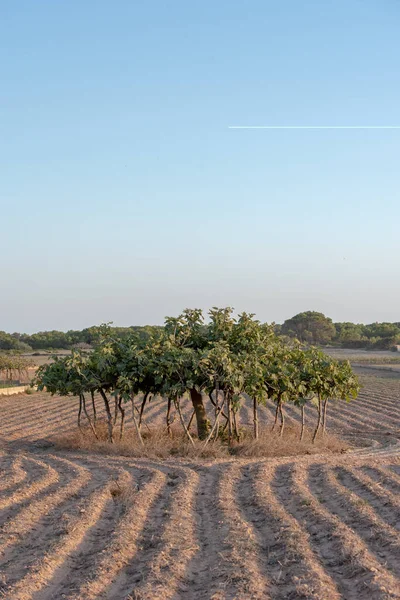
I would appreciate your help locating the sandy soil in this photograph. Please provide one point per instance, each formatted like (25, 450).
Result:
(384, 371)
(84, 526)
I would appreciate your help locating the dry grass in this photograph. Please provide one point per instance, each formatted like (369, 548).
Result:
(121, 491)
(158, 444)
(270, 444)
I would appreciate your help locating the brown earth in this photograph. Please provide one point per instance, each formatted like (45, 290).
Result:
(77, 525)
(382, 371)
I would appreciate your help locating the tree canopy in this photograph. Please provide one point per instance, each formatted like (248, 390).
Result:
(226, 359)
(312, 327)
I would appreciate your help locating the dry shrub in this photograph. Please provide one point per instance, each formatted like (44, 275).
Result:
(158, 444)
(121, 492)
(270, 444)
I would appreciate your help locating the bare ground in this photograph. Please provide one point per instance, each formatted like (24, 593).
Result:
(85, 526)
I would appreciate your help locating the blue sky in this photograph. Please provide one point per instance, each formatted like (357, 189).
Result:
(126, 197)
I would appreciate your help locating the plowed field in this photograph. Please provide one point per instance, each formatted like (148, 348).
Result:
(82, 526)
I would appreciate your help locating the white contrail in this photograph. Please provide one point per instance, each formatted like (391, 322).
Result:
(314, 127)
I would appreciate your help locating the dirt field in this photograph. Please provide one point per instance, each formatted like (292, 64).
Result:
(84, 526)
(381, 363)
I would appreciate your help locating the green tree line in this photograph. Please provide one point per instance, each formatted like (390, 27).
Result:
(308, 327)
(315, 328)
(59, 340)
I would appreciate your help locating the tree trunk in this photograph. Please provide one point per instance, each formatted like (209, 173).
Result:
(80, 411)
(214, 404)
(92, 427)
(115, 409)
(142, 409)
(324, 414)
(186, 430)
(255, 418)
(218, 411)
(282, 414)
(235, 419)
(229, 402)
(303, 422)
(135, 420)
(109, 416)
(169, 417)
(214, 428)
(203, 424)
(191, 419)
(319, 419)
(94, 407)
(276, 414)
(122, 411)
(143, 421)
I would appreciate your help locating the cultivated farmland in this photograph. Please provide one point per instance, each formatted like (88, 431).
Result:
(81, 525)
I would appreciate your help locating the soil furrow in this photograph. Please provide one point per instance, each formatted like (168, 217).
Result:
(47, 476)
(342, 553)
(178, 543)
(16, 476)
(205, 575)
(353, 509)
(149, 542)
(241, 549)
(384, 503)
(73, 532)
(106, 568)
(383, 478)
(28, 517)
(285, 553)
(53, 529)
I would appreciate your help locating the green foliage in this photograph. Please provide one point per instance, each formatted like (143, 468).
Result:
(311, 327)
(12, 342)
(308, 327)
(315, 328)
(375, 336)
(226, 355)
(332, 379)
(60, 340)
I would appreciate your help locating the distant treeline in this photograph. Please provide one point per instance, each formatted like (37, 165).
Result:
(316, 328)
(60, 340)
(309, 327)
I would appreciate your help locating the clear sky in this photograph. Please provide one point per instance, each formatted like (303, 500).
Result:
(125, 196)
